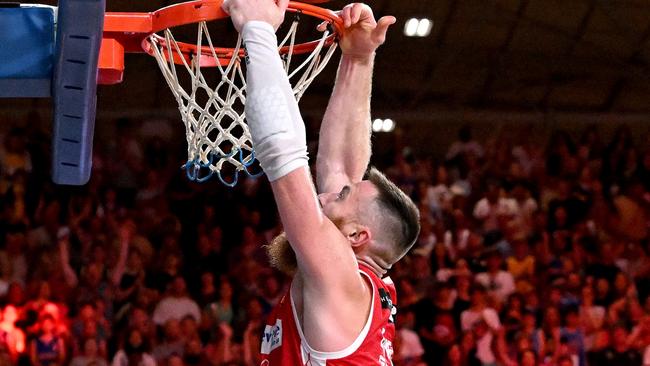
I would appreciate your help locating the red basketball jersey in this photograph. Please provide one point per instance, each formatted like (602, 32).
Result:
(284, 344)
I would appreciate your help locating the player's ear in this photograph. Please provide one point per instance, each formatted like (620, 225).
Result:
(359, 236)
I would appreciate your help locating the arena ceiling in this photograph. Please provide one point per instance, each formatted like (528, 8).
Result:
(522, 55)
(578, 55)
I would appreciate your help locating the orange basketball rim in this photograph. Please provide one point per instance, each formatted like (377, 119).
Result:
(130, 33)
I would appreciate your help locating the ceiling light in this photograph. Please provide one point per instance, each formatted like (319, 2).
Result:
(377, 125)
(388, 125)
(383, 125)
(411, 27)
(415, 27)
(424, 28)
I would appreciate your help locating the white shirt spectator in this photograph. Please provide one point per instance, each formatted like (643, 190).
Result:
(489, 214)
(523, 218)
(175, 308)
(444, 274)
(410, 347)
(120, 359)
(484, 350)
(469, 317)
(500, 285)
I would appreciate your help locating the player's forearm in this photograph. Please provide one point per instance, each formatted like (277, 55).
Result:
(276, 127)
(344, 146)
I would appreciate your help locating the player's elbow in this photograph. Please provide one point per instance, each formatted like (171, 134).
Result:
(280, 156)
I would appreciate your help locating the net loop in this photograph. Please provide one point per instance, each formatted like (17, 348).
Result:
(193, 169)
(217, 135)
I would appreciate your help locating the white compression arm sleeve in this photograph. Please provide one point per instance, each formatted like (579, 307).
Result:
(276, 126)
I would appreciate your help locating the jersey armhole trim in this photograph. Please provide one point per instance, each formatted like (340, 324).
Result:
(349, 349)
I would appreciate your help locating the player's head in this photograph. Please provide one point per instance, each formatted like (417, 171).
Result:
(396, 217)
(380, 221)
(376, 216)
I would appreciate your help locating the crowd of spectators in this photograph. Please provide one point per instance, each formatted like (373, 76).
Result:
(529, 254)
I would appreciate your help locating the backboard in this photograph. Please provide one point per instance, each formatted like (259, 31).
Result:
(53, 52)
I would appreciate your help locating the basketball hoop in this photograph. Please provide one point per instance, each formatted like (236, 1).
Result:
(212, 105)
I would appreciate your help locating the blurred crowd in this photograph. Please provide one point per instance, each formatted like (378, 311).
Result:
(531, 253)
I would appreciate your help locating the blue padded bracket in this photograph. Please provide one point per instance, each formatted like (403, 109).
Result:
(26, 50)
(78, 40)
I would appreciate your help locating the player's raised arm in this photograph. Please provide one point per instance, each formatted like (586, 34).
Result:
(278, 134)
(344, 145)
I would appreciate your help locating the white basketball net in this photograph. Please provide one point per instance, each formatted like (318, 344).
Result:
(216, 129)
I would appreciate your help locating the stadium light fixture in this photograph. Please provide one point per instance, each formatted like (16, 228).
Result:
(383, 125)
(424, 28)
(411, 27)
(388, 125)
(377, 125)
(415, 27)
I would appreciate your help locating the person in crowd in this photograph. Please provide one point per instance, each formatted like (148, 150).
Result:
(408, 348)
(521, 265)
(14, 155)
(89, 356)
(464, 146)
(47, 349)
(620, 352)
(86, 326)
(572, 334)
(12, 258)
(134, 351)
(500, 283)
(173, 341)
(483, 321)
(494, 210)
(176, 304)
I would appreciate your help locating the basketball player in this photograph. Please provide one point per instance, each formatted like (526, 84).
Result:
(344, 240)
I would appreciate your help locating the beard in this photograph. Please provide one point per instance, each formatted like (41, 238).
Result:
(281, 255)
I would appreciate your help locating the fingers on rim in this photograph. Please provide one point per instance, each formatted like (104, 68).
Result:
(225, 5)
(322, 27)
(345, 15)
(356, 11)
